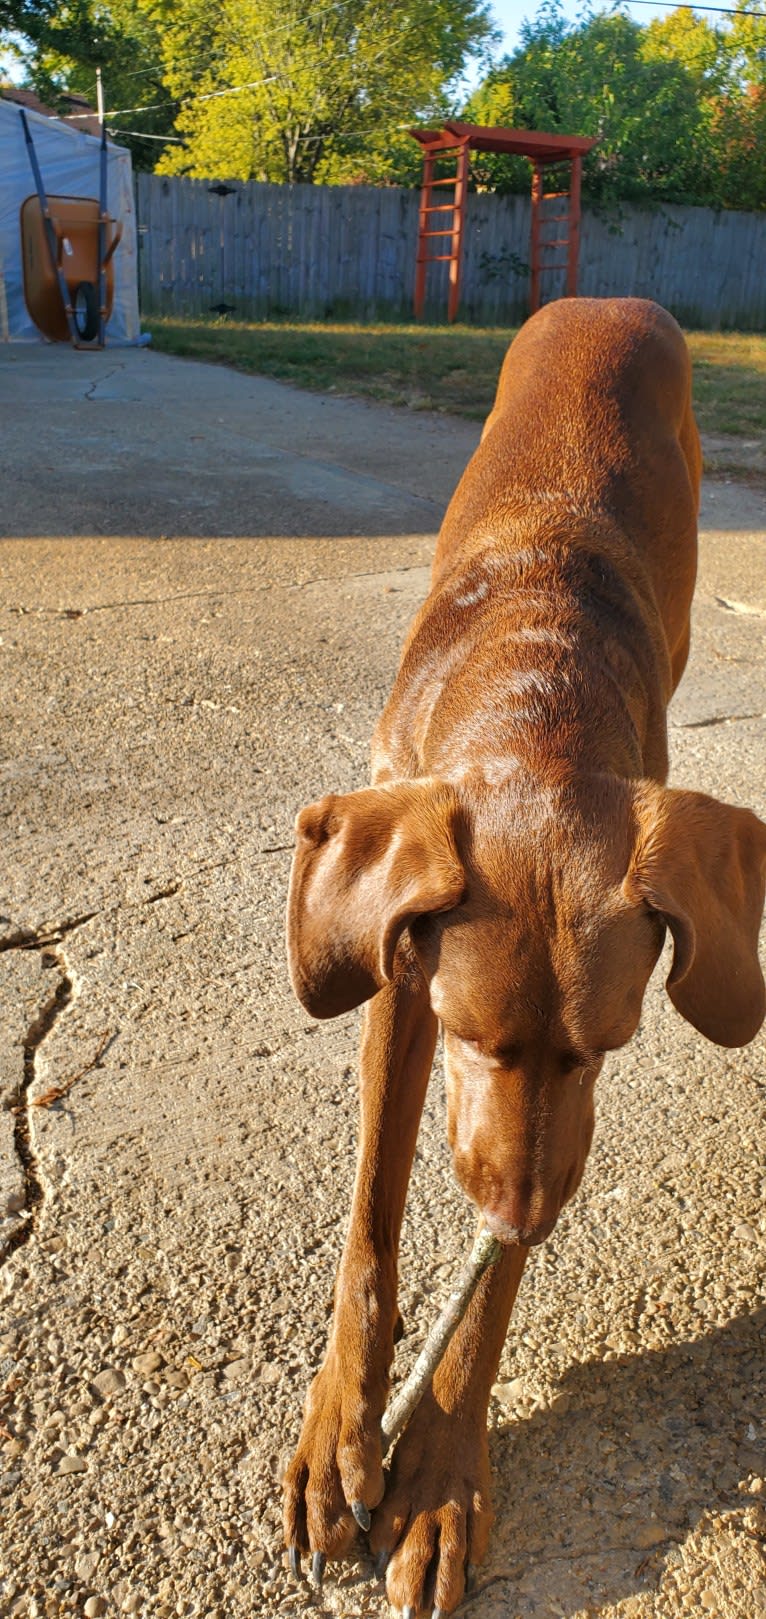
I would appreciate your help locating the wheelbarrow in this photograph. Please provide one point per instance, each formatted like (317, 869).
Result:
(74, 223)
(68, 245)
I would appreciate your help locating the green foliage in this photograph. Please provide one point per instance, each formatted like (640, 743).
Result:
(329, 88)
(268, 89)
(66, 42)
(289, 91)
(677, 108)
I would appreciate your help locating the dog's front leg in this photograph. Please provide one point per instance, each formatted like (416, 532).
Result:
(337, 1466)
(437, 1513)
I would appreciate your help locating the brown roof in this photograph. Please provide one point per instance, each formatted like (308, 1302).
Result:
(542, 148)
(80, 114)
(77, 105)
(26, 98)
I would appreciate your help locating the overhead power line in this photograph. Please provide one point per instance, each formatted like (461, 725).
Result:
(317, 15)
(338, 5)
(139, 133)
(173, 101)
(723, 11)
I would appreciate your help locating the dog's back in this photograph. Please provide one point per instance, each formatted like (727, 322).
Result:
(592, 418)
(568, 553)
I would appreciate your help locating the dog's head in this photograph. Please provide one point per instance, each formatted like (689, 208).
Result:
(536, 918)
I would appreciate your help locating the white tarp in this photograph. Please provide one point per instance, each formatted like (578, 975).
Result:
(69, 164)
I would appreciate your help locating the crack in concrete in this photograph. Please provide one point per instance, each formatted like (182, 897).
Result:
(45, 935)
(89, 392)
(219, 595)
(365, 573)
(45, 938)
(49, 934)
(164, 893)
(39, 1029)
(145, 601)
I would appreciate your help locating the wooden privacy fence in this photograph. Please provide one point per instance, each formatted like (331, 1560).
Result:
(350, 251)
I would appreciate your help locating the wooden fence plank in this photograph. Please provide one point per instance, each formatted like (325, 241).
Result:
(314, 251)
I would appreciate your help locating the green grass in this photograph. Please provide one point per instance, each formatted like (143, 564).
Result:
(422, 367)
(452, 369)
(729, 382)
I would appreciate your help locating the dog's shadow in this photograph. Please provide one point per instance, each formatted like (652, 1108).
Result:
(595, 1492)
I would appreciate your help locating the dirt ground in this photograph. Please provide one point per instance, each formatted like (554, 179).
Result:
(205, 582)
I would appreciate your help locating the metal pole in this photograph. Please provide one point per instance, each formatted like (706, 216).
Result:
(50, 234)
(102, 216)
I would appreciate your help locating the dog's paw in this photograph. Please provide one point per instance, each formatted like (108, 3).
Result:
(436, 1517)
(336, 1476)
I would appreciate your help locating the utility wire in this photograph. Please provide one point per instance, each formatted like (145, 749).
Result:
(139, 133)
(120, 112)
(723, 11)
(153, 106)
(179, 101)
(316, 15)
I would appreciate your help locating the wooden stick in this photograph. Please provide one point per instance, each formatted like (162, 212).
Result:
(485, 1252)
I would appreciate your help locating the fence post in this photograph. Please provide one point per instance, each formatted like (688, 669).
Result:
(704, 266)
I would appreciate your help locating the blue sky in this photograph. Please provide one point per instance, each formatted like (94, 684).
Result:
(511, 13)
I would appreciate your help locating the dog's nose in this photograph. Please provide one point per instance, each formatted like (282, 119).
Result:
(525, 1236)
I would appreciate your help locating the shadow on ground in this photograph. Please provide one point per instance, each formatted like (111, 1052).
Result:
(593, 1492)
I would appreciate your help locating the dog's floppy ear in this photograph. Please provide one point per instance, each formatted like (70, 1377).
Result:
(702, 866)
(365, 865)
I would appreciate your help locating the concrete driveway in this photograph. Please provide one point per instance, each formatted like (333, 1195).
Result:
(205, 583)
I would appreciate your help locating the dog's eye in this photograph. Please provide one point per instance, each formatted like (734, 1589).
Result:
(505, 1055)
(570, 1061)
(579, 1062)
(508, 1055)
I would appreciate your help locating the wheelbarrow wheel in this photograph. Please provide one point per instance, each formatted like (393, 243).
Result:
(85, 308)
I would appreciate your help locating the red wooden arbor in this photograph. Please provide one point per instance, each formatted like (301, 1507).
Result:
(454, 141)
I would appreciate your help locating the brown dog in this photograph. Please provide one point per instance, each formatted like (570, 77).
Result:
(510, 875)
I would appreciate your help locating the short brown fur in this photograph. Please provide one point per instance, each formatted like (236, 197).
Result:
(510, 874)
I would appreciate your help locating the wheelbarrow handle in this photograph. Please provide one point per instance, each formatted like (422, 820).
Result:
(60, 236)
(116, 239)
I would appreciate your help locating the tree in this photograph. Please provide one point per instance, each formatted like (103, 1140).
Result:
(595, 79)
(62, 44)
(290, 90)
(703, 49)
(673, 106)
(296, 92)
(728, 65)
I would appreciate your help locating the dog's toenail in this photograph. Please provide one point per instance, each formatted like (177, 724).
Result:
(318, 1563)
(439, 1613)
(381, 1564)
(294, 1559)
(408, 1613)
(361, 1514)
(470, 1577)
